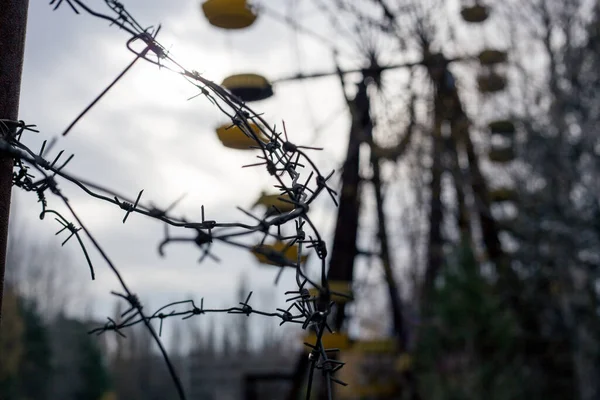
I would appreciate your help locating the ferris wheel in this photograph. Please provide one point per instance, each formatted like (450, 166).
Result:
(366, 37)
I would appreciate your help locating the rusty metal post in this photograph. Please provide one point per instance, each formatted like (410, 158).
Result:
(13, 21)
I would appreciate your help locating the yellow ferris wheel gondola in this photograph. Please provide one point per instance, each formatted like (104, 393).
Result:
(492, 57)
(502, 154)
(491, 82)
(502, 127)
(503, 194)
(344, 288)
(228, 14)
(475, 14)
(248, 87)
(334, 340)
(280, 201)
(278, 254)
(233, 136)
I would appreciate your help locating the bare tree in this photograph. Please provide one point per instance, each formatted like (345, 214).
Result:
(556, 104)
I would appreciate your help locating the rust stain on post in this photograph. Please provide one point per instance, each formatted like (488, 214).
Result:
(13, 21)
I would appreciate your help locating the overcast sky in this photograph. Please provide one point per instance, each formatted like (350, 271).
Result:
(144, 134)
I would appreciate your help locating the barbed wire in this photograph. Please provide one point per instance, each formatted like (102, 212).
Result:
(281, 158)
